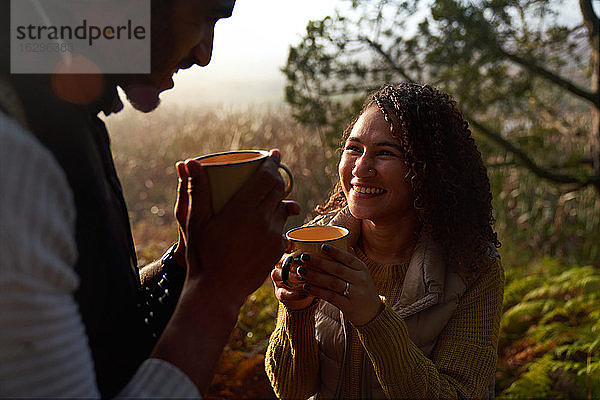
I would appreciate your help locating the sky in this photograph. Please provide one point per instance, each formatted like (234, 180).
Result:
(250, 48)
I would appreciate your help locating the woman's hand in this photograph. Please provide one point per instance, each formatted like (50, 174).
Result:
(294, 299)
(344, 282)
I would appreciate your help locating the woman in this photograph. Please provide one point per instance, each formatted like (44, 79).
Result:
(412, 309)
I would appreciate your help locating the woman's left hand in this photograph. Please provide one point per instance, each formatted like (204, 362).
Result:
(343, 281)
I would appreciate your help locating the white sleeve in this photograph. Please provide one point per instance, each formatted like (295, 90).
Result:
(159, 378)
(43, 345)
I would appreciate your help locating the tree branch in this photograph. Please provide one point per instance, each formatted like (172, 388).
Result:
(377, 47)
(592, 97)
(590, 19)
(524, 159)
(501, 164)
(346, 90)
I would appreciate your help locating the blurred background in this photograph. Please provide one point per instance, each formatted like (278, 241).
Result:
(291, 75)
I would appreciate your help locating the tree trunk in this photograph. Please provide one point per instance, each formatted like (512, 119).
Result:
(592, 24)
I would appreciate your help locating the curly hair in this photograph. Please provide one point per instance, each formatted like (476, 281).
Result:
(445, 170)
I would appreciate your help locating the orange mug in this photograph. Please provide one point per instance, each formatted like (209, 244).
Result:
(228, 171)
(309, 239)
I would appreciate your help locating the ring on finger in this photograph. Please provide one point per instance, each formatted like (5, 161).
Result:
(346, 292)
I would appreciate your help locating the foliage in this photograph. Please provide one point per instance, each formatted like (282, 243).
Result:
(535, 218)
(525, 77)
(550, 332)
(241, 372)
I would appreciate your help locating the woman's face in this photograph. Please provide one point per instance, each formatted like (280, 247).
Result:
(372, 171)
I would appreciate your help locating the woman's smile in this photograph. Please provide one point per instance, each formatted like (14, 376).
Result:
(363, 191)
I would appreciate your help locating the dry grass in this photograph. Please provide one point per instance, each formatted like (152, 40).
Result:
(146, 147)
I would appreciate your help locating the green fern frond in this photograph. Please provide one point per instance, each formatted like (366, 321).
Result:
(534, 383)
(521, 316)
(594, 347)
(514, 291)
(594, 369)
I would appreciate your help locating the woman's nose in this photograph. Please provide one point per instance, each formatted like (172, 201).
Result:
(363, 167)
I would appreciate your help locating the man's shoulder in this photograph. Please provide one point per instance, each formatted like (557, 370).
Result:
(17, 147)
(10, 102)
(14, 138)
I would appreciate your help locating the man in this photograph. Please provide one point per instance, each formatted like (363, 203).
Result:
(78, 317)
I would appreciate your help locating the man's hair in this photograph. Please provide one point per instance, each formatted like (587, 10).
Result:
(445, 170)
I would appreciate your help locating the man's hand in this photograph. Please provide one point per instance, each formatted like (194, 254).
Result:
(228, 256)
(236, 248)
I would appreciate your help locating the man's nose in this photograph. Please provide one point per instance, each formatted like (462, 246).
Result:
(203, 51)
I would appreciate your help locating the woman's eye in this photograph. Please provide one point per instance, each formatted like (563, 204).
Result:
(353, 149)
(387, 153)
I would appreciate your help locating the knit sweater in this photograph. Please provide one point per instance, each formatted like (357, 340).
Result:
(388, 280)
(461, 364)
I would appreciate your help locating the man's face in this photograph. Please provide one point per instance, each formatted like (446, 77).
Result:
(182, 35)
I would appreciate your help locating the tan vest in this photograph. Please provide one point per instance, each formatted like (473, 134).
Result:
(429, 296)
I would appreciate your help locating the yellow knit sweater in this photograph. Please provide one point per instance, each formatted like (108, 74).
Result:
(461, 364)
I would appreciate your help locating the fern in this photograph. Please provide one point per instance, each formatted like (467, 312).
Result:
(552, 335)
(514, 291)
(534, 383)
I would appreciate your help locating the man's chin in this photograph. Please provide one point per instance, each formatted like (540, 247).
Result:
(144, 98)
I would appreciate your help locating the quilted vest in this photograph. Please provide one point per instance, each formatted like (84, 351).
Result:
(429, 296)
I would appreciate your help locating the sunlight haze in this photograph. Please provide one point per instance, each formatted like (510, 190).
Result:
(250, 48)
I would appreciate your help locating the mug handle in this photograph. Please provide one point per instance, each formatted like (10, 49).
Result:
(290, 181)
(285, 270)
